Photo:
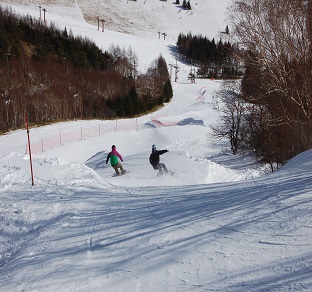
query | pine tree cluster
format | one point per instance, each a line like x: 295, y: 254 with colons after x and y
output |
x: 214, y: 59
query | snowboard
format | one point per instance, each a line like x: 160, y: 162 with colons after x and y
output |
x: 115, y: 174
x: 165, y: 173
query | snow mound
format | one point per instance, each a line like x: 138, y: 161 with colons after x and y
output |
x: 191, y: 121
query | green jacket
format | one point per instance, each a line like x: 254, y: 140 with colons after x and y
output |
x: 113, y: 157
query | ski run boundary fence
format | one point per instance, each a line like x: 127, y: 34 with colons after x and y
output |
x: 81, y: 133
x: 65, y: 137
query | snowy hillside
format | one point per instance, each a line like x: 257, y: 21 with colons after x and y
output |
x: 143, y: 17
x: 221, y: 223
x: 147, y: 44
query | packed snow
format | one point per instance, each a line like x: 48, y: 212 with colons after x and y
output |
x: 220, y: 223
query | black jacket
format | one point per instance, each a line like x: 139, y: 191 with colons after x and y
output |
x: 154, y: 157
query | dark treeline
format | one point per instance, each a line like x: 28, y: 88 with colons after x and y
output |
x: 51, y: 75
x: 42, y: 41
x: 149, y: 90
x: 213, y: 59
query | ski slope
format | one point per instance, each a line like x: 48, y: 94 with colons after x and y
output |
x: 139, y: 17
x: 221, y: 223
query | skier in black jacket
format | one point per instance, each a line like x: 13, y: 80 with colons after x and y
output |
x: 154, y: 160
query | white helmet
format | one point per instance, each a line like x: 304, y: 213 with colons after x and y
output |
x: 153, y: 147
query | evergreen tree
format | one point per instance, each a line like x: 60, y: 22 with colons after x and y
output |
x: 168, y: 91
x: 65, y: 34
x: 227, y: 31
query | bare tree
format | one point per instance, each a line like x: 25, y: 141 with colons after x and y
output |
x: 133, y: 63
x: 277, y: 38
x: 231, y: 118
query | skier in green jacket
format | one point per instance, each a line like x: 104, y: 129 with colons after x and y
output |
x: 113, y: 157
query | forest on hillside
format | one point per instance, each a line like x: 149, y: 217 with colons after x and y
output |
x: 50, y: 75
